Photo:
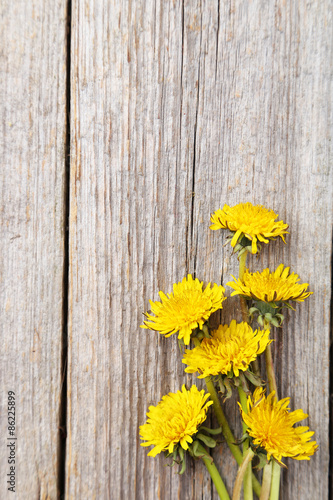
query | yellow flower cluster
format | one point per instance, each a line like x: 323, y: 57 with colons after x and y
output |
x: 185, y: 309
x: 228, y: 351
x: 255, y: 222
x: 266, y: 286
x: 231, y: 348
x: 271, y: 425
x: 175, y: 420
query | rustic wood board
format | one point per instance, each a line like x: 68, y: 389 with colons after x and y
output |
x: 32, y: 146
x: 176, y: 109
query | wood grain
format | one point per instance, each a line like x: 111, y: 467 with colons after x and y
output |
x: 176, y: 109
x: 32, y: 148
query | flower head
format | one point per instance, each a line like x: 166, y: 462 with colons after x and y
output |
x: 270, y: 291
x: 175, y: 420
x: 249, y: 224
x: 278, y: 286
x: 231, y: 348
x: 271, y: 426
x: 186, y: 308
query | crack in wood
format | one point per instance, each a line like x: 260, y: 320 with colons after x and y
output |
x: 62, y: 434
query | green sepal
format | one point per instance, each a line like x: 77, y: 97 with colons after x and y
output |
x: 244, y: 383
x: 243, y: 250
x: 237, y: 248
x: 205, y: 331
x: 253, y: 311
x: 197, y: 334
x: 244, y: 241
x: 195, y: 453
x: 178, y: 451
x: 174, y: 455
x: 228, y: 387
x: 221, y: 385
x: 210, y: 442
x: 262, y: 461
x: 182, y: 456
x: 266, y: 307
x: 214, y: 432
x: 244, y: 437
x: 254, y: 379
x: 293, y: 309
x: 193, y: 450
x: 236, y: 381
x: 244, y: 244
x: 268, y: 312
x: 275, y: 322
x: 268, y: 317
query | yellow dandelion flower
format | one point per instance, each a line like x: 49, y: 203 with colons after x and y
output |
x: 175, y: 420
x: 185, y: 309
x: 271, y: 425
x: 255, y: 222
x: 278, y: 286
x: 232, y: 347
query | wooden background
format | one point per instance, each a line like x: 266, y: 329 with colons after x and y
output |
x: 128, y: 123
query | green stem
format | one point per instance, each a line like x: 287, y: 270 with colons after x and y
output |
x: 243, y: 402
x: 247, y: 482
x: 276, y: 469
x: 226, y: 431
x: 275, y: 485
x: 266, y: 482
x: 228, y: 435
x: 270, y: 371
x: 255, y: 367
x: 240, y: 475
x: 244, y: 309
x: 242, y: 265
x: 214, y: 474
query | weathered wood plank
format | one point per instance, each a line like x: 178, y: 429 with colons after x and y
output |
x: 270, y: 144
x: 32, y: 145
x: 178, y: 108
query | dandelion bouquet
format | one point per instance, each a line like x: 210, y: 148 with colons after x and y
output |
x: 227, y: 359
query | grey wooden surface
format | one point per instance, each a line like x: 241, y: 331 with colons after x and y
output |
x: 175, y: 109
x: 32, y: 149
